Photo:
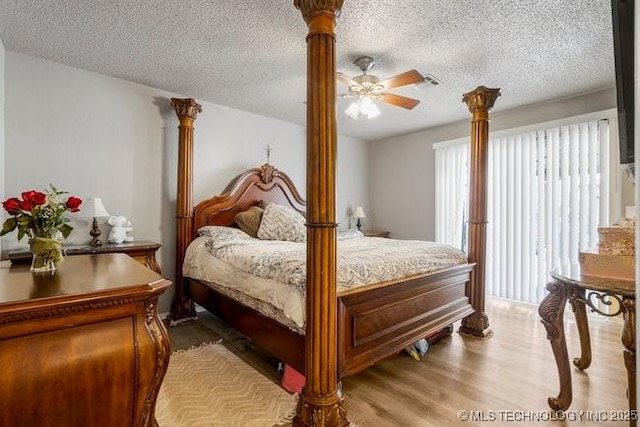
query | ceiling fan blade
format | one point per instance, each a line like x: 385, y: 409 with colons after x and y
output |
x: 403, y: 79
x: 346, y: 80
x: 400, y: 101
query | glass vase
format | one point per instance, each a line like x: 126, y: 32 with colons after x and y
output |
x: 46, y: 253
x: 42, y: 263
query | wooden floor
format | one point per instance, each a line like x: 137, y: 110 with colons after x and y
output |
x: 503, y: 380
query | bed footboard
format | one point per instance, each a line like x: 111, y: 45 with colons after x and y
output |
x: 372, y: 324
x: 375, y: 324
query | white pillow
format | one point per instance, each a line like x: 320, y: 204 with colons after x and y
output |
x: 222, y: 233
x: 282, y: 223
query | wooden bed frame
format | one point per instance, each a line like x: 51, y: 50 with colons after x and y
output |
x: 372, y: 324
x: 347, y: 333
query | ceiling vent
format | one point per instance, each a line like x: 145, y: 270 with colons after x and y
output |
x: 428, y: 78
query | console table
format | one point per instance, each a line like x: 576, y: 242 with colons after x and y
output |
x: 581, y: 291
x: 143, y: 252
x: 81, y: 347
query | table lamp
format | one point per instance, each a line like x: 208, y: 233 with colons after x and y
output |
x: 93, y: 208
x: 359, y: 213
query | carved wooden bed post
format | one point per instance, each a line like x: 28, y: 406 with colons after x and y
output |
x: 320, y: 403
x: 479, y: 101
x: 187, y: 110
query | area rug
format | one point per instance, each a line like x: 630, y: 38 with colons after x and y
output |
x: 210, y: 386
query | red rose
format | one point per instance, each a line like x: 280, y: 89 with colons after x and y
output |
x: 28, y: 195
x: 26, y: 205
x: 38, y: 198
x: 12, y: 205
x: 73, y: 204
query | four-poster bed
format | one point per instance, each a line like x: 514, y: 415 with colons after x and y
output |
x: 372, y: 323
x: 348, y: 332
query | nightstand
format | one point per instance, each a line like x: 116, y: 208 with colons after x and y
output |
x: 143, y: 252
x: 376, y: 233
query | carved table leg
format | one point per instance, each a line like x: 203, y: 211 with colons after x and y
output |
x: 629, y: 352
x: 551, y: 311
x: 580, y: 313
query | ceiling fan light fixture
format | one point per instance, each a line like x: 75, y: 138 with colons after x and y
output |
x: 373, y: 111
x: 363, y: 106
x: 354, y: 110
x: 366, y: 89
x: 369, y: 108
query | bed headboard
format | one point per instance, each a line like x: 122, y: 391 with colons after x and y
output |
x: 265, y: 183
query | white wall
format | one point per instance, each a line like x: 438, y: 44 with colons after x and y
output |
x: 403, y: 185
x: 97, y: 136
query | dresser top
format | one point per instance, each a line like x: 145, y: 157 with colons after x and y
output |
x: 81, y: 276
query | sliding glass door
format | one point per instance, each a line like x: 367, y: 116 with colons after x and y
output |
x: 548, y: 192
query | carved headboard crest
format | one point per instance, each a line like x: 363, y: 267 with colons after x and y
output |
x: 266, y: 173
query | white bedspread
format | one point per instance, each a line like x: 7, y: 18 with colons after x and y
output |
x: 361, y: 260
x: 275, y: 271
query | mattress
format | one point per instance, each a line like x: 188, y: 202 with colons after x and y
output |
x: 274, y: 272
x: 199, y: 264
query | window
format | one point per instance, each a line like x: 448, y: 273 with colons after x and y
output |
x: 547, y: 194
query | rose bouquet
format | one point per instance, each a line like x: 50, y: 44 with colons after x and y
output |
x: 40, y: 217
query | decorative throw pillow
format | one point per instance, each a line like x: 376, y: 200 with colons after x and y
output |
x: 282, y: 223
x: 249, y: 220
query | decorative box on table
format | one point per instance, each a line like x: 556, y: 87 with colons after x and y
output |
x: 617, y: 240
x: 605, y: 265
x: 615, y: 257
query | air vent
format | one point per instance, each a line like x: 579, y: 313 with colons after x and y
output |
x: 428, y: 78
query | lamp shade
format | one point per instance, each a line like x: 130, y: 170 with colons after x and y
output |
x: 364, y: 105
x: 93, y: 208
x: 359, y: 213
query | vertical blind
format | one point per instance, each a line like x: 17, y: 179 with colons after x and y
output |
x: 452, y: 193
x: 547, y: 194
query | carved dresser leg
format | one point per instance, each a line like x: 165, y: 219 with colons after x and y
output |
x: 576, y: 299
x: 551, y: 311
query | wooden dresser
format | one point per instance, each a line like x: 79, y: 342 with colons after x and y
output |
x: 83, y: 347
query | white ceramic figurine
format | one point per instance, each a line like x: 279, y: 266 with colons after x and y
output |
x: 120, y: 226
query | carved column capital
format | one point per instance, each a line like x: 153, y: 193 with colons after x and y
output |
x: 311, y: 9
x: 187, y: 110
x: 480, y: 101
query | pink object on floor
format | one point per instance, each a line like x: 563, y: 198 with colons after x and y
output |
x: 292, y: 380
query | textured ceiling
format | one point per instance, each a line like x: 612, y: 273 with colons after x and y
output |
x: 251, y: 55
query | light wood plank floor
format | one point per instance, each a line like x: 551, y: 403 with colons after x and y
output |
x: 503, y: 380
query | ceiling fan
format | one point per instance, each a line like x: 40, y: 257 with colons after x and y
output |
x: 366, y: 88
